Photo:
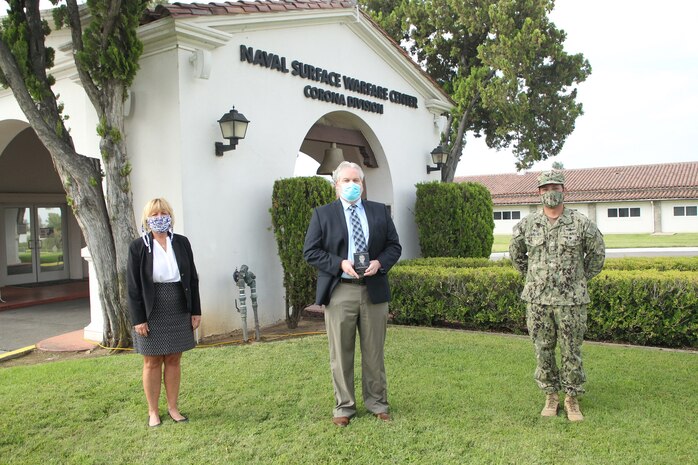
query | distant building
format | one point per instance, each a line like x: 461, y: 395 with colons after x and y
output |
x: 661, y: 198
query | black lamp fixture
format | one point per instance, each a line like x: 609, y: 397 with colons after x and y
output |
x: 233, y: 127
x: 439, y: 157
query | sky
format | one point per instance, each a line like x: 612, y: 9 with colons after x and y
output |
x: 641, y: 99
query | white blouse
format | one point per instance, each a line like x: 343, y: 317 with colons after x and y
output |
x: 165, y: 269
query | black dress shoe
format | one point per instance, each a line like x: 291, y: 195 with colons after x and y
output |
x: 183, y: 420
x: 155, y: 425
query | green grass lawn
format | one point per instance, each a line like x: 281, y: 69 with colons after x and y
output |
x: 621, y: 241
x: 456, y: 397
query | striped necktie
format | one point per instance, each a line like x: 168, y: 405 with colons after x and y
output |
x: 358, y: 233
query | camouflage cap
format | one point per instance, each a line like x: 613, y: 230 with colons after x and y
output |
x: 551, y: 177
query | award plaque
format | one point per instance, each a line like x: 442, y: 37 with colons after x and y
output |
x: 361, y: 261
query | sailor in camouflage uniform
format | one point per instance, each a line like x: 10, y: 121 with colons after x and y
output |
x: 558, y: 251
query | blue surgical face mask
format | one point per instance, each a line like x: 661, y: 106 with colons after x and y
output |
x: 160, y: 224
x: 351, y: 192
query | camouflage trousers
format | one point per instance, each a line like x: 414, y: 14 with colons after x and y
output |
x: 548, y: 324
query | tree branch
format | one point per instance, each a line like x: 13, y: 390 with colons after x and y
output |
x: 110, y: 20
x: 78, y: 46
x: 43, y: 128
x: 448, y: 172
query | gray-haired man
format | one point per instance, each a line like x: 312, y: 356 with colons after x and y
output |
x: 341, y: 236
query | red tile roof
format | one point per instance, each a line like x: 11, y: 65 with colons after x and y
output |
x: 618, y: 183
x: 180, y: 9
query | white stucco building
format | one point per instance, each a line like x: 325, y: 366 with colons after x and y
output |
x: 661, y: 198
x: 305, y: 73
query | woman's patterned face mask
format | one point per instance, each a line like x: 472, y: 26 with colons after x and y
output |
x: 160, y: 224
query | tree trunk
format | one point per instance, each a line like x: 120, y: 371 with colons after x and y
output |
x: 81, y: 181
x: 119, y: 198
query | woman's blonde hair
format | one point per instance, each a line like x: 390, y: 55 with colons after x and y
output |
x: 154, y: 206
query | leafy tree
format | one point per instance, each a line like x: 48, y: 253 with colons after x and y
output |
x: 558, y: 165
x: 55, y: 221
x: 502, y: 62
x: 292, y: 204
x: 106, y: 52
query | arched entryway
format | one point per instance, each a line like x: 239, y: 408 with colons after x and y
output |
x: 40, y: 240
x: 358, y: 143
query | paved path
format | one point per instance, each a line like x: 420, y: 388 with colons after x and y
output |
x: 616, y: 253
x: 26, y: 326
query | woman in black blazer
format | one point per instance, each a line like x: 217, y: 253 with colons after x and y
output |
x: 163, y: 301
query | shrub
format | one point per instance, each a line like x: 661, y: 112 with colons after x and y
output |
x: 292, y: 203
x: 652, y: 263
x: 456, y: 262
x: 646, y: 307
x: 473, y: 298
x: 454, y: 220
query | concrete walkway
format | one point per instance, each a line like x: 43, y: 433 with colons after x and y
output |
x: 648, y: 252
x: 28, y: 326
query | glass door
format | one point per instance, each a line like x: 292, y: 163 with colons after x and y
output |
x: 18, y: 257
x: 34, y: 247
x: 49, y: 245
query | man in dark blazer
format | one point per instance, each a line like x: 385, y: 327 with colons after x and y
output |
x: 353, y: 300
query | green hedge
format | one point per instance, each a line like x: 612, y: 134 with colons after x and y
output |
x: 456, y: 262
x: 654, y: 263
x: 454, y: 219
x: 621, y: 264
x: 645, y: 307
x: 292, y: 204
x: 475, y: 298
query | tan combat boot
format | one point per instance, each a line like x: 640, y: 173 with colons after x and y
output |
x: 572, y: 409
x: 552, y: 401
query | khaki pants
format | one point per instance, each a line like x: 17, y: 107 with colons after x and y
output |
x: 350, y: 309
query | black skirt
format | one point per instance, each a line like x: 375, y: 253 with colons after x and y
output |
x: 169, y: 323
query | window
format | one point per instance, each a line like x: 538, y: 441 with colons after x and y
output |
x: 626, y: 212
x: 688, y: 210
x: 507, y: 215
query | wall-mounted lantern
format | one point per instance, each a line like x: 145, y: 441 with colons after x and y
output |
x: 439, y: 157
x: 233, y: 127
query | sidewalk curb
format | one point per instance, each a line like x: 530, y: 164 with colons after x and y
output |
x: 16, y: 353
